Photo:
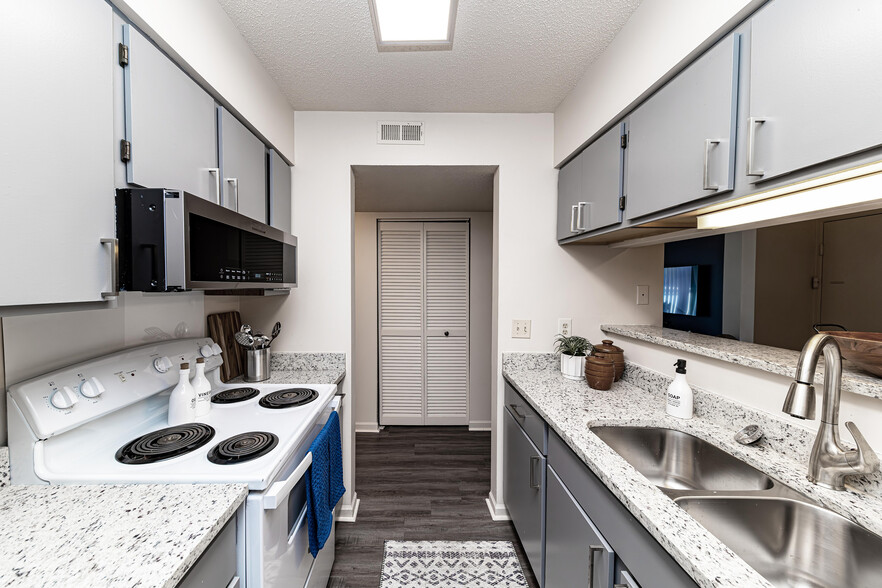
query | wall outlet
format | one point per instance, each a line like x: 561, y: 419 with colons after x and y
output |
x: 642, y: 294
x: 565, y: 326
x: 520, y: 329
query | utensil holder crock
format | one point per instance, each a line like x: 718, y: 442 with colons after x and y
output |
x: 257, y: 365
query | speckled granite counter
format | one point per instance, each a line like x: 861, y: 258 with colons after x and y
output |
x: 129, y: 535
x: 304, y: 368
x: 571, y: 407
x: 762, y: 357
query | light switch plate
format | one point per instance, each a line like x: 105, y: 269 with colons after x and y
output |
x: 565, y: 326
x: 520, y: 329
x: 642, y: 294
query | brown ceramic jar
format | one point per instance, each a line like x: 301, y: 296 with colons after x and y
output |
x: 599, y: 372
x: 607, y: 350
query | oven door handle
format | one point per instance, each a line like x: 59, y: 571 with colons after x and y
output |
x: 280, y: 490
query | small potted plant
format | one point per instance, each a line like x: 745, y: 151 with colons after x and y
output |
x: 572, y: 351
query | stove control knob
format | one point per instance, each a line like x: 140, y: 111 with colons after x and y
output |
x: 206, y: 351
x: 162, y: 364
x: 92, y: 388
x: 64, y: 398
x: 216, y: 348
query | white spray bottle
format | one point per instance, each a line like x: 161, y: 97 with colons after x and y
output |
x: 680, y: 394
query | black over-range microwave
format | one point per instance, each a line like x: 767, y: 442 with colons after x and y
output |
x: 170, y: 241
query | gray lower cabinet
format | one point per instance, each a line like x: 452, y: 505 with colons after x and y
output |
x: 279, y: 191
x: 681, y: 141
x: 815, y: 84
x: 524, y: 491
x: 576, y: 555
x: 243, y: 167
x: 217, y: 566
x: 591, y: 185
x: 169, y: 121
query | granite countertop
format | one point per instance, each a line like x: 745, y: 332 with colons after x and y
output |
x: 304, y: 368
x: 145, y: 535
x: 762, y: 357
x: 570, y: 408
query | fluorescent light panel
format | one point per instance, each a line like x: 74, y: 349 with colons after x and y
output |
x: 848, y: 187
x: 407, y: 25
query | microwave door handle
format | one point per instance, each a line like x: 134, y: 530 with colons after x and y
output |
x: 280, y: 490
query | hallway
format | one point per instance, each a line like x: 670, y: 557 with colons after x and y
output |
x: 417, y: 483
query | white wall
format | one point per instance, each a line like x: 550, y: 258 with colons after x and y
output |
x: 660, y: 35
x: 537, y: 279
x: 365, y: 353
x: 201, y: 37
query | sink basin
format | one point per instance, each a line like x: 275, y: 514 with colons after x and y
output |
x: 792, y: 543
x: 676, y: 461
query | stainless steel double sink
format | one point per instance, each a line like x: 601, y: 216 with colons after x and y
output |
x: 783, y: 535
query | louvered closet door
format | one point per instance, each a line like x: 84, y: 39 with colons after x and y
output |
x: 423, y: 316
x: 400, y: 277
x: 447, y: 323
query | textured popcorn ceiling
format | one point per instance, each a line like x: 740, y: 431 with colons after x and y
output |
x: 508, y: 55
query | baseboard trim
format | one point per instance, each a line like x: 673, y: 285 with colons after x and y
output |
x: 349, y: 512
x: 498, y: 512
x: 369, y: 427
x: 479, y: 426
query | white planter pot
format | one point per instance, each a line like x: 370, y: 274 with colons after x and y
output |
x: 572, y: 366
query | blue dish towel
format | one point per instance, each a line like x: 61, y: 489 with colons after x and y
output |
x: 324, y: 483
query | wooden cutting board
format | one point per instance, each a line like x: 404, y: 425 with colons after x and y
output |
x: 222, y: 328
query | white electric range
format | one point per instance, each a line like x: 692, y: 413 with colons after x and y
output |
x: 105, y: 421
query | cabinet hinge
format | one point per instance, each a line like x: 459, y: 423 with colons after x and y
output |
x: 622, y: 200
x: 125, y: 150
x: 625, y: 141
x: 123, y: 54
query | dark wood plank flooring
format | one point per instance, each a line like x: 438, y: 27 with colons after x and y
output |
x: 417, y: 484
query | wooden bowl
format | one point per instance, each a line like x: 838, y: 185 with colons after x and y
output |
x: 861, y: 348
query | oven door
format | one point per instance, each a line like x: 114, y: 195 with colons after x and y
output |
x: 277, y: 538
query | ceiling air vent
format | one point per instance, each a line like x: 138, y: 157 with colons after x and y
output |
x: 400, y: 133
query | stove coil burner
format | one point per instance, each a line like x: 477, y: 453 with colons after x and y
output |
x: 234, y: 395
x: 244, y: 447
x: 165, y: 444
x: 289, y: 398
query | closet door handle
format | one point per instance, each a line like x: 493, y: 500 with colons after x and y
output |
x: 114, y: 268
x: 534, y: 459
x: 591, y: 550
x: 706, y: 185
x: 752, y: 123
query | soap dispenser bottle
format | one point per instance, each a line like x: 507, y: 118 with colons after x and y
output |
x: 680, y: 394
x: 182, y: 400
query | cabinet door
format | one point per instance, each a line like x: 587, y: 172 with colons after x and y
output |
x: 170, y: 122
x: 815, y: 83
x: 56, y: 151
x: 575, y: 552
x: 280, y: 191
x: 243, y: 165
x: 602, y: 181
x: 681, y: 143
x: 569, y: 188
x: 523, y: 484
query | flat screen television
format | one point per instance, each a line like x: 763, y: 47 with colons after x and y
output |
x: 685, y: 290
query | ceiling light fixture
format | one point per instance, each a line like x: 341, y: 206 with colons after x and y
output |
x: 410, y: 25
x: 860, y: 185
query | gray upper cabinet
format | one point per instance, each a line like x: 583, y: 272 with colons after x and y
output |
x: 590, y: 186
x: 681, y: 143
x: 243, y: 167
x: 57, y: 152
x: 170, y: 121
x: 815, y: 84
x: 280, y: 191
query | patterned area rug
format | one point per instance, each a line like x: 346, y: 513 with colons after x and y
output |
x: 434, y: 564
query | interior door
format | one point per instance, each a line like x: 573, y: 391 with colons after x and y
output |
x: 423, y: 299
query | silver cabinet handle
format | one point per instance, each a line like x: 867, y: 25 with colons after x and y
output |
x: 215, y: 171
x: 573, y: 228
x: 234, y: 182
x: 752, y: 123
x: 579, y: 207
x: 706, y: 185
x: 234, y: 583
x: 591, y: 550
x: 534, y: 459
x: 517, y: 413
x: 114, y: 268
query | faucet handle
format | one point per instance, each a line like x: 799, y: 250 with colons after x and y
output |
x: 867, y: 460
